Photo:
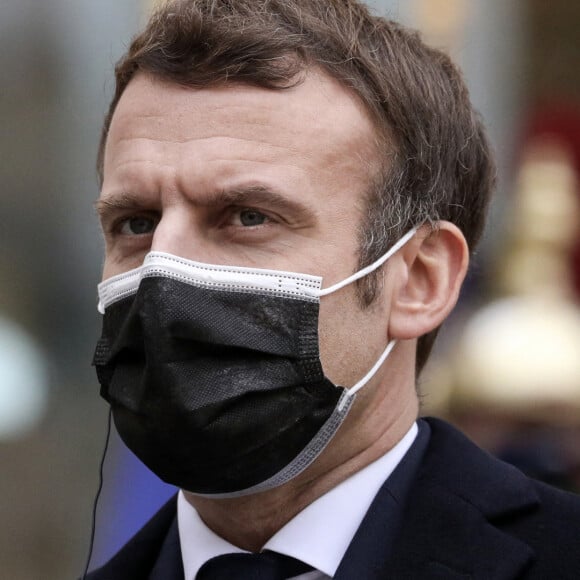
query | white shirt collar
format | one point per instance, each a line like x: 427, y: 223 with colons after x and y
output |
x: 319, y: 535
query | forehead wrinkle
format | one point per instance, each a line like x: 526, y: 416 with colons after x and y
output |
x: 288, y: 119
x: 325, y: 140
x: 206, y: 147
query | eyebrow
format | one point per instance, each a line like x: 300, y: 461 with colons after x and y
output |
x: 107, y: 207
x: 244, y: 195
x: 118, y: 201
x: 259, y: 194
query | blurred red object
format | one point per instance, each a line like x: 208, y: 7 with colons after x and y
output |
x: 560, y: 120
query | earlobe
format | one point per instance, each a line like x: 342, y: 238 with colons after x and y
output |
x: 432, y: 268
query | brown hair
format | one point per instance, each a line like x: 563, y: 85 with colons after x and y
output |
x: 436, y: 159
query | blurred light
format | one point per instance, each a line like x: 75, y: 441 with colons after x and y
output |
x: 522, y: 353
x: 23, y: 381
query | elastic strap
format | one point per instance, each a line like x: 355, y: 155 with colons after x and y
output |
x: 355, y: 388
x: 371, y: 268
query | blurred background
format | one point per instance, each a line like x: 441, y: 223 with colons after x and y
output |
x: 507, y: 365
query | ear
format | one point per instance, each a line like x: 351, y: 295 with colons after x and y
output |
x: 427, y: 279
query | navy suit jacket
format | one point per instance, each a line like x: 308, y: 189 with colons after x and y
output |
x: 449, y: 511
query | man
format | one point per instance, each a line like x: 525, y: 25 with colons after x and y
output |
x: 257, y: 153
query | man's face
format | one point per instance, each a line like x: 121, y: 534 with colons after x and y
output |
x: 245, y: 176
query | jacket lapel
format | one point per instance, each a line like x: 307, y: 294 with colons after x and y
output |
x: 444, y: 536
x: 459, y: 510
x: 444, y: 514
x: 169, y: 564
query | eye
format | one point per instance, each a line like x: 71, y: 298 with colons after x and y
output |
x: 138, y: 226
x: 251, y: 217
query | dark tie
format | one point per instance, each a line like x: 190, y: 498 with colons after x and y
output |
x: 263, y: 566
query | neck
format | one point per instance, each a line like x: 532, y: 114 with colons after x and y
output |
x: 249, y: 522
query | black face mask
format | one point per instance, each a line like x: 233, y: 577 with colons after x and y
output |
x: 213, y: 372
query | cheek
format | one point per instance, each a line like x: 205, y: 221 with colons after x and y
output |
x: 110, y: 269
x: 351, y: 339
x: 114, y: 264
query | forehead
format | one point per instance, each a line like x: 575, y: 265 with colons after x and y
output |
x: 318, y: 121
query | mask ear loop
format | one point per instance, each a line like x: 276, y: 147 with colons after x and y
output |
x: 370, y: 268
x: 357, y: 276
x: 358, y: 386
x: 97, y: 496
